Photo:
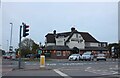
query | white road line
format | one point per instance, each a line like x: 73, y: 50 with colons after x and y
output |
x: 62, y: 74
x: 88, y: 67
x: 101, y: 72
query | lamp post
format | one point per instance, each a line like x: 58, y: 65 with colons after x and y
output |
x: 7, y: 45
x: 11, y: 48
x: 0, y: 46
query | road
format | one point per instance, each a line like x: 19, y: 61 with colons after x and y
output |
x: 70, y: 69
x: 8, y: 65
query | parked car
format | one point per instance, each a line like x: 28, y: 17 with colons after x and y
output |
x: 87, y: 56
x: 37, y: 55
x: 101, y: 57
x: 74, y: 57
x: 4, y: 56
x: 29, y: 55
x: 13, y: 56
x: 7, y: 56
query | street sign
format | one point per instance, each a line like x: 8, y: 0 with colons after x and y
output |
x: 39, y: 51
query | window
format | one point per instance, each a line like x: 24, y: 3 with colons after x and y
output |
x: 64, y: 53
x: 58, y: 53
x: 81, y: 40
x: 104, y: 45
x: 59, y: 41
x: 76, y: 35
x: 61, y: 36
x: 74, y: 39
x: 99, y: 45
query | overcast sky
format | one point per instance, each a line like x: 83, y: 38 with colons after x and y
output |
x: 100, y: 19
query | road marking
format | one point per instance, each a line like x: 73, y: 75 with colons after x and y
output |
x: 52, y: 64
x: 114, y: 72
x: 101, y: 72
x: 88, y: 67
x: 62, y: 74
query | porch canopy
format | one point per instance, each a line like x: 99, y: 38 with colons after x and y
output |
x: 94, y: 49
x: 58, y: 48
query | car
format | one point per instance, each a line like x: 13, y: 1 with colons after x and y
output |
x: 101, y: 57
x: 87, y: 56
x: 29, y: 55
x: 4, y: 56
x: 13, y: 56
x: 37, y: 55
x: 7, y: 56
x: 74, y: 57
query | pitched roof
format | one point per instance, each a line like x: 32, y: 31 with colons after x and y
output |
x: 86, y: 36
x: 65, y: 34
x: 50, y: 38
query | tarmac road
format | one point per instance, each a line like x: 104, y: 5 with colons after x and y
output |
x: 69, y: 69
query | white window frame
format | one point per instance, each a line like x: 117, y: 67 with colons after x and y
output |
x: 64, y: 53
x: 58, y: 53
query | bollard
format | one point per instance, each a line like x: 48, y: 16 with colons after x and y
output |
x: 42, y: 61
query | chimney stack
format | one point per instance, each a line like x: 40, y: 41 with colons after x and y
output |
x: 72, y: 29
x: 54, y: 32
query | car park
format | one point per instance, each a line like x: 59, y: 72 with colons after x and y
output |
x: 101, y: 57
x: 74, y: 57
x: 87, y: 56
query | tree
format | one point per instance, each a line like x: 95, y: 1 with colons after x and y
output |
x: 34, y: 48
x: 28, y: 46
x: 116, y: 49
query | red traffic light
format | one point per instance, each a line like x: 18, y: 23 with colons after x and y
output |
x: 25, y: 30
x: 27, y: 26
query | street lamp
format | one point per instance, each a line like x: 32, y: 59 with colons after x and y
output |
x: 0, y: 46
x: 11, y: 48
x: 7, y: 45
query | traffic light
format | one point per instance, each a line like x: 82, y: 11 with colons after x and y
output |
x: 25, y: 30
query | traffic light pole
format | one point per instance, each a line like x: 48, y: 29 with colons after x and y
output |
x: 25, y: 30
x: 19, y: 62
